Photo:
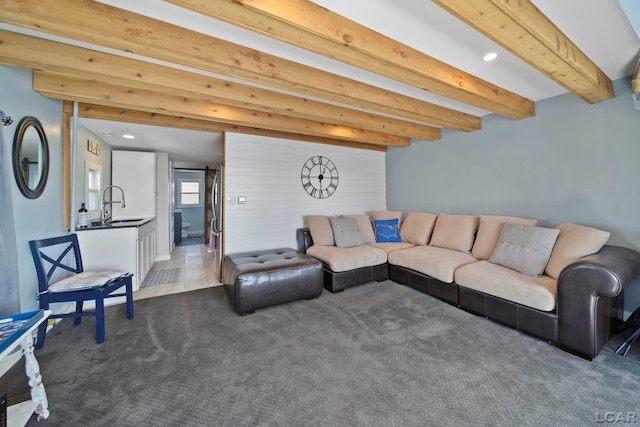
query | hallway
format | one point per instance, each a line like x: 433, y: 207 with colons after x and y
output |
x: 198, y: 271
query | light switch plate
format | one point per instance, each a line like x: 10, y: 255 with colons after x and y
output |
x: 242, y: 200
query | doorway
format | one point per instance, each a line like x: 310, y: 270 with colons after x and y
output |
x: 189, y: 207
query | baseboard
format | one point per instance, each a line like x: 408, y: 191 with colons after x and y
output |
x: 163, y: 258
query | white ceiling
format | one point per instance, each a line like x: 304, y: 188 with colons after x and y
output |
x: 599, y: 28
x: 186, y: 148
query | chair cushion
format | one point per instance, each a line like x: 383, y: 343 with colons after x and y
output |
x: 86, y: 280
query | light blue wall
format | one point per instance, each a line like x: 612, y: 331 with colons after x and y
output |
x: 195, y: 215
x: 572, y: 162
x: 42, y: 217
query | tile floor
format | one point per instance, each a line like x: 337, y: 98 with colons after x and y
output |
x: 199, y: 271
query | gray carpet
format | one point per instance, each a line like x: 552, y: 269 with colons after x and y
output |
x: 379, y: 354
x: 162, y: 277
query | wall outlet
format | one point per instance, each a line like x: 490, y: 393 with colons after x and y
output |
x: 231, y: 199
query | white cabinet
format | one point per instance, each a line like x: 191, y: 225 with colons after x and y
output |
x: 132, y: 249
x: 135, y: 173
x: 146, y: 255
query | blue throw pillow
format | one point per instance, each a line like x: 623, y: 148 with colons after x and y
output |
x: 387, y: 230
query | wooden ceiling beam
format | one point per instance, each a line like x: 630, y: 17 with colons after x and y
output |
x: 89, y: 90
x: 312, y: 27
x: 103, y: 112
x: 103, y: 25
x: 521, y: 28
x: 62, y: 58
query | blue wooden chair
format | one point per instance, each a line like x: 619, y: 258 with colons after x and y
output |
x: 63, y: 253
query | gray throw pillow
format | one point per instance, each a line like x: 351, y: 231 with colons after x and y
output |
x: 524, y: 248
x: 346, y: 232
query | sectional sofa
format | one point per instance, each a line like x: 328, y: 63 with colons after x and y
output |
x: 562, y: 284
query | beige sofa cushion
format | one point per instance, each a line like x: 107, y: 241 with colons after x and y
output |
x: 391, y: 246
x: 502, y: 282
x: 417, y: 227
x: 345, y: 259
x: 436, y: 262
x: 366, y: 229
x: 454, y: 232
x: 320, y: 229
x: 489, y: 231
x: 387, y: 215
x: 574, y: 242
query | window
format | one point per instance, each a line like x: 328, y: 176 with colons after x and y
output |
x: 190, y: 193
x: 93, y: 186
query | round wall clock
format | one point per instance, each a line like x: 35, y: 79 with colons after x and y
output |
x: 319, y: 177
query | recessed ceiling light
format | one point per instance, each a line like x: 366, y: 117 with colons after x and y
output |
x: 128, y: 136
x: 489, y: 57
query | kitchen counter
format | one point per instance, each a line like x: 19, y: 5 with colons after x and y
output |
x: 118, y: 223
x: 128, y: 245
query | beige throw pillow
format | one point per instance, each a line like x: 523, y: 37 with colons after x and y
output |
x: 364, y: 223
x: 320, y: 229
x: 454, y: 232
x: 524, y: 248
x: 489, y: 231
x: 574, y: 242
x: 417, y: 227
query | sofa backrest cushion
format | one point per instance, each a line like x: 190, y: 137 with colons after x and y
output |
x: 387, y: 215
x: 346, y: 232
x: 454, y: 232
x: 524, y: 248
x: 489, y: 231
x: 574, y: 242
x: 366, y: 229
x: 417, y: 227
x: 320, y: 229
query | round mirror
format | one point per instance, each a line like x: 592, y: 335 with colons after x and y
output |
x: 30, y: 157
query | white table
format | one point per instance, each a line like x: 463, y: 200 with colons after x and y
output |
x: 19, y: 414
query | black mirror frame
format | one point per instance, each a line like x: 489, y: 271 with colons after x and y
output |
x: 24, y: 124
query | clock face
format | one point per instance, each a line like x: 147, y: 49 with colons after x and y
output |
x: 319, y: 177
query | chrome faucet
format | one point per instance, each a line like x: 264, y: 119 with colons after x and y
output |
x: 110, y: 202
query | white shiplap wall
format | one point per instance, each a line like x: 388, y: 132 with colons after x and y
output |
x: 267, y: 172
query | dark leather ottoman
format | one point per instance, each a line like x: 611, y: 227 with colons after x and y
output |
x: 269, y: 277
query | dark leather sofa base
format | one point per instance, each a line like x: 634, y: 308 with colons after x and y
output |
x: 339, y: 281
x: 260, y: 279
x: 445, y: 291
x: 534, y: 322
